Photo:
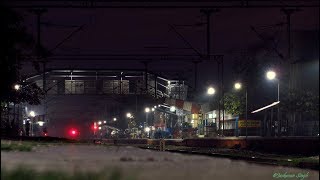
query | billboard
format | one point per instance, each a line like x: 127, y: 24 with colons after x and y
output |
x: 251, y: 123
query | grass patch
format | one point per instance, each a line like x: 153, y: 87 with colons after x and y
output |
x: 29, y: 174
x: 16, y: 146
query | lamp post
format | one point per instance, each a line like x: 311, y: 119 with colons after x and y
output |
x: 129, y: 116
x: 238, y: 86
x: 147, y: 110
x: 211, y: 91
x: 271, y: 75
x: 32, y: 114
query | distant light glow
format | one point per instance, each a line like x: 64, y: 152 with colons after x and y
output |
x: 114, y: 119
x: 155, y: 107
x: 104, y: 122
x: 147, y: 129
x: 211, y: 91
x: 237, y: 85
x: 32, y: 114
x: 271, y: 75
x: 17, y: 87
x: 172, y: 108
x: 73, y: 132
x: 152, y: 109
x: 99, y: 128
x: 99, y: 122
x: 147, y: 110
x: 129, y: 115
x: 40, y: 123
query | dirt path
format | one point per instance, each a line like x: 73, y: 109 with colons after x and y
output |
x: 144, y: 164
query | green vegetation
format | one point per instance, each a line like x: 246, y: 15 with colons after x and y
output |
x: 234, y: 103
x: 16, y: 146
x: 9, y: 145
x: 29, y: 174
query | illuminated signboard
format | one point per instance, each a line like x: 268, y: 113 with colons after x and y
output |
x: 251, y: 123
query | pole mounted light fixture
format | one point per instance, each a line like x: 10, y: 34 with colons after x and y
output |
x: 32, y: 114
x: 211, y: 91
x: 172, y: 108
x: 237, y: 85
x: 17, y: 87
x: 271, y: 75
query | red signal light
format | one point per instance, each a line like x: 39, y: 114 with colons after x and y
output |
x: 73, y: 132
x: 45, y: 134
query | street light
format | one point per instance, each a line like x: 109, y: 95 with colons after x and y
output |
x: 17, y: 87
x: 32, y: 114
x: 152, y: 109
x: 114, y: 119
x: 211, y: 91
x: 238, y: 86
x: 40, y: 123
x: 129, y: 115
x: 172, y: 108
x: 147, y: 110
x: 271, y: 75
x: 147, y: 130
x: 99, y: 122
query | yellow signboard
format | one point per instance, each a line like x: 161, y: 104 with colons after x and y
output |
x: 251, y: 123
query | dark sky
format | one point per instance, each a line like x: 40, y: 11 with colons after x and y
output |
x: 129, y: 31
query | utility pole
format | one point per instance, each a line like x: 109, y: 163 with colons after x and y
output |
x: 292, y: 68
x: 222, y: 94
x: 207, y: 13
x: 196, y: 62
x: 288, y: 13
x: 38, y: 13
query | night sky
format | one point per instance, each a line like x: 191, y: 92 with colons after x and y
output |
x: 134, y: 31
x: 130, y: 31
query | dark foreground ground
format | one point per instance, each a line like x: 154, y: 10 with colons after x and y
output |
x: 135, y: 163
